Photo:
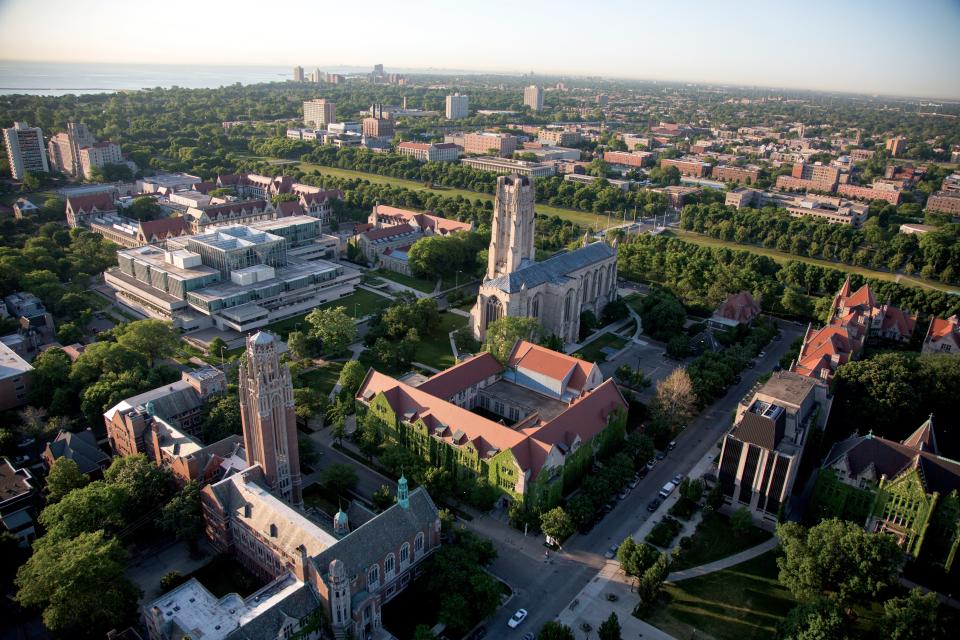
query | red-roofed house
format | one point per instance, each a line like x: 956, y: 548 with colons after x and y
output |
x: 860, y: 312
x: 738, y: 308
x: 81, y: 209
x: 532, y: 428
x: 152, y: 231
x: 943, y: 336
x: 392, y: 229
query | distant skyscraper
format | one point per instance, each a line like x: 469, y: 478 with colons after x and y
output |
x: 25, y: 150
x: 458, y: 106
x: 298, y: 74
x: 317, y: 76
x: 64, y: 148
x: 269, y: 420
x: 533, y: 97
x: 319, y: 113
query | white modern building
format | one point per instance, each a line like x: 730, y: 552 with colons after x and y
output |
x: 25, y: 150
x: 430, y: 152
x: 506, y: 166
x: 236, y: 277
x: 458, y: 106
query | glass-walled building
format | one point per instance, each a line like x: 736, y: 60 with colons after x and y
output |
x: 239, y: 277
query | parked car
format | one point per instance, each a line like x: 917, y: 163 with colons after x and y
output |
x: 517, y: 618
x: 644, y: 470
x: 528, y: 636
x: 762, y: 354
x: 737, y: 379
x: 776, y: 337
x: 653, y: 504
x: 633, y: 483
x: 751, y: 364
x: 650, y: 465
x: 479, y: 633
x: 667, y: 489
x: 623, y: 494
x: 660, y: 455
x: 611, y: 553
x: 672, y: 445
x: 677, y: 479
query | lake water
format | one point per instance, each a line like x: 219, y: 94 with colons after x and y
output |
x: 55, y: 79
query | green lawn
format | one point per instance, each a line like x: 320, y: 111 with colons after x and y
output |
x: 579, y: 217
x: 360, y: 302
x: 592, y: 352
x: 224, y: 575
x: 322, y: 379
x: 426, y: 286
x: 435, y: 350
x: 744, y: 602
x: 780, y: 256
x: 713, y: 540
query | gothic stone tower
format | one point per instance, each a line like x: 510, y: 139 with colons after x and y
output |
x: 269, y: 421
x: 511, y: 240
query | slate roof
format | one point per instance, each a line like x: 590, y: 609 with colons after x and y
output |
x: 169, y: 401
x: 553, y: 269
x: 892, y: 459
x: 81, y: 448
x: 739, y: 307
x: 373, y: 540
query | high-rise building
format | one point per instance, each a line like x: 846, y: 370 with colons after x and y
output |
x: 458, y: 106
x: 896, y: 146
x: 319, y: 113
x: 98, y: 155
x: 269, y: 420
x: 298, y: 74
x: 533, y: 97
x: 64, y: 148
x: 25, y: 150
x: 318, y: 75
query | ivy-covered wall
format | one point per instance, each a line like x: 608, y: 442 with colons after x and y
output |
x: 835, y: 499
x: 905, y: 504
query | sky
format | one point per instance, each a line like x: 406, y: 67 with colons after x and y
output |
x: 863, y: 46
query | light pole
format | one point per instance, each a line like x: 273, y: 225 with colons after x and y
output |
x: 456, y: 279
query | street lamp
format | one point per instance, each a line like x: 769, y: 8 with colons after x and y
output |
x: 456, y: 279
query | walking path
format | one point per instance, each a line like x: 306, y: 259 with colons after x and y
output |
x: 355, y: 349
x: 724, y: 563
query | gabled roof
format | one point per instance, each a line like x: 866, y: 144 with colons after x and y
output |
x: 553, y: 269
x: 586, y: 417
x: 739, y: 307
x: 289, y: 208
x: 892, y: 459
x: 948, y: 330
x: 448, y: 383
x: 164, y: 228
x: 550, y: 363
x: 388, y: 232
x: 101, y: 201
x: 894, y: 318
x: 923, y: 439
x: 821, y: 347
x: 81, y: 448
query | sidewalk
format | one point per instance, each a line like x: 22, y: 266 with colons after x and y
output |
x: 724, y: 563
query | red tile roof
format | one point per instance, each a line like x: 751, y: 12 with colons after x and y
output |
x: 100, y: 201
x: 164, y: 228
x: 739, y: 307
x: 447, y: 384
x: 289, y: 208
x: 388, y: 232
x: 549, y: 363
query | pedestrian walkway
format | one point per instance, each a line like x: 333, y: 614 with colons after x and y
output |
x: 724, y: 563
x: 355, y: 350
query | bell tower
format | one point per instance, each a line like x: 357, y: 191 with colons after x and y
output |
x: 269, y: 420
x: 511, y: 238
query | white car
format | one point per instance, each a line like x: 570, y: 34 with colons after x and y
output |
x: 517, y: 618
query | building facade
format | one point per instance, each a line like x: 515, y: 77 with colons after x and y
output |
x: 905, y: 489
x: 943, y: 336
x: 457, y: 106
x: 688, y: 166
x: 532, y: 428
x: 237, y: 277
x: 489, y: 143
x: 630, y: 158
x: 97, y: 155
x: 533, y: 97
x: 507, y: 166
x: 430, y: 152
x: 556, y: 291
x: 810, y: 177
x: 319, y: 113
x: 15, y: 377
x: 269, y: 420
x: 761, y: 454
x: 25, y: 150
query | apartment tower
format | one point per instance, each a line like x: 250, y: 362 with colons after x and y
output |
x: 269, y: 420
x: 533, y: 97
x: 25, y: 150
x: 458, y: 106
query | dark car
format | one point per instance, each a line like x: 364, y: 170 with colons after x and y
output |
x: 737, y: 379
x: 643, y: 472
x: 660, y: 455
x: 653, y: 504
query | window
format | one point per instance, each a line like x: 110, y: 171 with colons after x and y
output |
x: 418, y: 543
x: 373, y: 577
x: 389, y: 566
x: 405, y: 553
x: 273, y: 531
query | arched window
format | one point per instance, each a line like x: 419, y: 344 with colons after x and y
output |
x: 418, y: 544
x: 405, y: 554
x: 596, y: 284
x: 568, y: 306
x: 494, y: 310
x: 612, y: 278
x: 373, y: 577
x: 273, y: 531
x: 586, y: 287
x: 389, y: 565
x: 535, y: 308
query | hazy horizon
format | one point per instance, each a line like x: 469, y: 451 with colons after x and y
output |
x: 856, y: 47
